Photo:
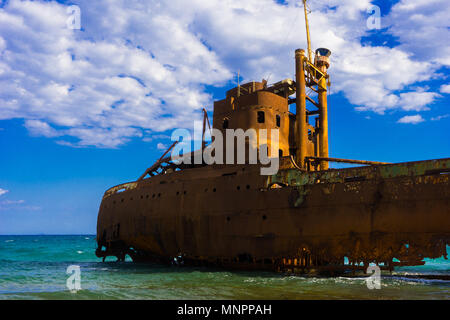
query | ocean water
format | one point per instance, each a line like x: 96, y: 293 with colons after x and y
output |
x: 34, y: 267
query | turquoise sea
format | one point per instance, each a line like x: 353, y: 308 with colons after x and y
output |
x: 34, y: 267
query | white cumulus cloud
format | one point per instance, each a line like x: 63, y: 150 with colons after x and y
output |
x: 139, y: 68
x: 445, y: 88
x: 161, y: 146
x: 411, y: 119
x: 422, y: 26
x: 3, y: 191
x: 40, y: 128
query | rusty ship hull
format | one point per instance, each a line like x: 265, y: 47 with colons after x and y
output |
x: 231, y: 216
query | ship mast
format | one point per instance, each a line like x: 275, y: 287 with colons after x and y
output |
x: 311, y: 141
x: 308, y: 39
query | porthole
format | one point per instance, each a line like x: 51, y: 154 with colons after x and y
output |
x: 214, y: 190
x: 228, y: 218
x: 264, y: 217
x: 238, y: 187
x: 248, y: 187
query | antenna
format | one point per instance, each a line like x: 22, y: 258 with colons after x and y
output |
x: 307, y: 32
x: 239, y: 86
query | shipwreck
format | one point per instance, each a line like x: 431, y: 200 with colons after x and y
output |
x: 305, y: 217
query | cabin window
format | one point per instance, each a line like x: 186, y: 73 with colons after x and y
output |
x: 225, y: 124
x: 261, y: 117
x: 278, y: 118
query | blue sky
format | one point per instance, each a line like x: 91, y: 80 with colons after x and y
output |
x: 83, y: 110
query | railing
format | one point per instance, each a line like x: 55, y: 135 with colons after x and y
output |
x: 120, y: 188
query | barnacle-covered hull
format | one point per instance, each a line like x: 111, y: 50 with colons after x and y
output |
x: 230, y: 215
